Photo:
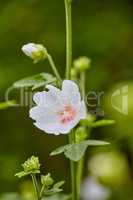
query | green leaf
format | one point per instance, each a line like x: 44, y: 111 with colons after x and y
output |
x: 59, y: 150
x: 52, y: 191
x: 103, y: 122
x: 35, y: 81
x: 23, y: 173
x: 7, y: 104
x: 58, y: 197
x: 76, y: 151
x: 59, y: 184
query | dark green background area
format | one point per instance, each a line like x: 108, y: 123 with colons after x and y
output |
x: 103, y: 31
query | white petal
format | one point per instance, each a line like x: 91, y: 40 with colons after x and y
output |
x: 47, y: 99
x: 83, y: 111
x: 70, y: 92
x: 48, y: 128
x: 43, y: 115
x: 40, y: 98
x: 28, y: 49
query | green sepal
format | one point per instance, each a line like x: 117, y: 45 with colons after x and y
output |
x: 59, y: 184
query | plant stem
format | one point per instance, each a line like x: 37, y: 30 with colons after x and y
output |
x: 73, y: 169
x: 36, y: 188
x: 68, y: 8
x: 79, y: 175
x: 50, y: 59
x: 81, y: 162
x: 82, y: 84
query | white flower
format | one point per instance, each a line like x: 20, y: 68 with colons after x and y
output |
x: 36, y: 52
x: 91, y: 189
x: 58, y: 111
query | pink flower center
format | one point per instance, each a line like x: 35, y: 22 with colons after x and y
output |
x: 67, y: 114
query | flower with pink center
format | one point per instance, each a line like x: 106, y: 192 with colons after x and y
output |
x: 58, y: 111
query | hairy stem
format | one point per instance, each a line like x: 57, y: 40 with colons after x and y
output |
x: 36, y: 188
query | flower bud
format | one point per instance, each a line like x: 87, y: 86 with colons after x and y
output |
x: 81, y: 134
x: 47, y: 180
x: 37, y: 52
x: 82, y: 63
x: 32, y: 164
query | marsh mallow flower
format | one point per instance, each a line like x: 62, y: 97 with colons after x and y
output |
x: 58, y: 111
x: 36, y: 52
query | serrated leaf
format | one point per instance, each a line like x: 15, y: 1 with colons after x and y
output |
x: 103, y: 122
x: 59, y: 184
x: 7, y: 104
x: 76, y: 151
x: 35, y: 81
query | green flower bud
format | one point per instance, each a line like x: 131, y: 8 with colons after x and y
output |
x: 32, y: 164
x: 81, y: 134
x: 47, y: 180
x: 82, y: 63
x: 37, y: 52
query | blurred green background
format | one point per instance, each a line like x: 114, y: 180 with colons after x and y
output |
x: 103, y: 31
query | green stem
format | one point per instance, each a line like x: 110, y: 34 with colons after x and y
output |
x: 79, y: 175
x: 81, y: 162
x: 73, y: 169
x: 50, y: 59
x: 36, y: 188
x: 68, y: 8
x: 42, y: 190
x: 82, y: 84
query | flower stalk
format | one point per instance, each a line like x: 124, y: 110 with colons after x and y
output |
x: 51, y: 62
x: 68, y: 8
x: 36, y: 187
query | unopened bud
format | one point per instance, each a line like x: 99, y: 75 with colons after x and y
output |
x: 47, y: 180
x: 37, y: 52
x: 32, y: 164
x: 82, y: 63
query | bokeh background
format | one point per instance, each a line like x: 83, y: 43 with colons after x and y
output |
x: 103, y: 31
